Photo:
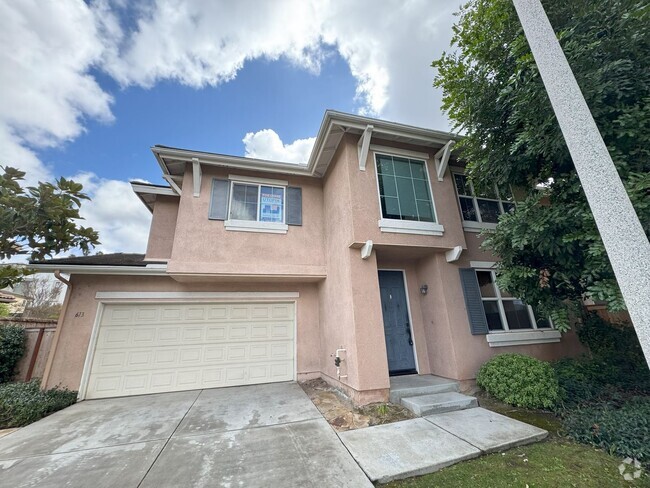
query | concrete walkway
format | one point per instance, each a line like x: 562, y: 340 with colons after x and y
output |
x: 424, y: 445
x: 254, y: 436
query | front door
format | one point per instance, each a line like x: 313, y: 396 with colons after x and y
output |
x: 397, y: 330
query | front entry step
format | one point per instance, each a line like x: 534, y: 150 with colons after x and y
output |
x: 416, y: 385
x: 438, y: 403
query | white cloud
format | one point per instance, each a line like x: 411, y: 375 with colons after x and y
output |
x: 50, y: 49
x: 388, y: 46
x: 266, y: 144
x: 116, y: 213
x: 47, y: 50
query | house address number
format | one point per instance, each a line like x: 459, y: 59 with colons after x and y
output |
x: 79, y: 314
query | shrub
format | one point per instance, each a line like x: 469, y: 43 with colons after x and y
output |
x: 519, y: 380
x: 578, y: 380
x: 616, y: 353
x: 615, y: 366
x: 624, y: 431
x: 12, y: 348
x: 24, y: 403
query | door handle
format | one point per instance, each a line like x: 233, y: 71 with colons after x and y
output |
x: 408, y: 331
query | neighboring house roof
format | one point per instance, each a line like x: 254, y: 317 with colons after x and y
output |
x: 116, y: 259
x: 334, y: 126
x: 6, y: 298
x: 9, y: 293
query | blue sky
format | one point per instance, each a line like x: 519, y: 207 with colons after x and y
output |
x: 215, y: 119
x: 88, y: 87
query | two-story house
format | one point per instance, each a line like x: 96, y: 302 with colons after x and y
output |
x: 363, y: 263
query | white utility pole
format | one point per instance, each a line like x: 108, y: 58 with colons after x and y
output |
x: 625, y: 241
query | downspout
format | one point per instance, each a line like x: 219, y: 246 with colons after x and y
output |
x: 59, y: 326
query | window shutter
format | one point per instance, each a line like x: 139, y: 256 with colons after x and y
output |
x: 219, y: 199
x: 475, y: 312
x: 294, y: 205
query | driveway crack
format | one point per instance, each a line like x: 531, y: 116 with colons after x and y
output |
x: 170, y: 437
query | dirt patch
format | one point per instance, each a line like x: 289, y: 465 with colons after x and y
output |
x: 539, y: 418
x: 339, y: 411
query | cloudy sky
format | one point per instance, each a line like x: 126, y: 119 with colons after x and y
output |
x: 87, y: 88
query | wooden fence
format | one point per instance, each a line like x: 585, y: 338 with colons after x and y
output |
x: 40, y: 333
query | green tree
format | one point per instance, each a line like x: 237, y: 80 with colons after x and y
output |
x: 550, y: 248
x: 39, y: 221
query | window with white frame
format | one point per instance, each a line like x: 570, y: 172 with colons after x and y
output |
x: 404, y: 190
x: 257, y: 202
x: 503, y: 311
x: 482, y: 208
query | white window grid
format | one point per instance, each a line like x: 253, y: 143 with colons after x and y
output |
x: 259, y: 198
x: 499, y: 298
x: 475, y: 199
x: 429, y: 190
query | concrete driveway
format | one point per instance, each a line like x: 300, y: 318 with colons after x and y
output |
x: 264, y: 435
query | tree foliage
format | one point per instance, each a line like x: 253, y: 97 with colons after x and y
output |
x: 44, y: 297
x: 39, y: 221
x: 550, y: 248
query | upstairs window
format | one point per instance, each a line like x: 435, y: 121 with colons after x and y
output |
x: 250, y: 204
x: 481, y: 209
x: 261, y: 203
x: 404, y: 190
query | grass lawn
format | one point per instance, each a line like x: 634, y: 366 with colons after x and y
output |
x: 556, y: 462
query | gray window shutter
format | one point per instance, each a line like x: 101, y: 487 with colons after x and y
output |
x: 475, y: 312
x: 294, y: 205
x: 219, y: 199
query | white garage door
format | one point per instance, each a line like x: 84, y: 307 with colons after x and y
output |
x: 153, y: 348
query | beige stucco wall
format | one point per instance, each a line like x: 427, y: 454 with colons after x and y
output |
x: 339, y: 293
x: 163, y: 227
x: 339, y: 305
x: 69, y: 356
x: 204, y: 246
x: 453, y: 351
x: 367, y: 209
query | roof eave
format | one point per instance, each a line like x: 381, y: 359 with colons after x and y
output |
x: 224, y: 160
x: 321, y: 153
x: 157, y: 270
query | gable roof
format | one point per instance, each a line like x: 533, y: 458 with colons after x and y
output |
x: 335, y: 125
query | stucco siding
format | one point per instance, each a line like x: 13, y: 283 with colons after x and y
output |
x: 204, y: 246
x: 163, y: 228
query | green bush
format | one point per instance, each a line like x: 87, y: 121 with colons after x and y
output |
x: 24, y: 403
x: 616, y: 353
x: 519, y: 380
x: 614, y: 367
x: 12, y: 348
x: 579, y: 380
x: 624, y: 431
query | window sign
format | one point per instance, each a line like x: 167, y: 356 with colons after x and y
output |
x: 271, y: 200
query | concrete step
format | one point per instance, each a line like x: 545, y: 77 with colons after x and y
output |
x: 438, y: 403
x: 415, y: 385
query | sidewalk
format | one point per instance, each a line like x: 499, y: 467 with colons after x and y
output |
x: 424, y: 445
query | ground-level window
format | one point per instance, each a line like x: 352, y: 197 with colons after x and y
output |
x: 261, y: 203
x: 484, y: 207
x: 503, y: 311
x: 404, y: 189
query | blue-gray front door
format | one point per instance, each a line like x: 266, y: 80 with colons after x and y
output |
x: 397, y: 330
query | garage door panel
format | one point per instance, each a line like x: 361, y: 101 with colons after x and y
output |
x: 181, y: 356
x: 191, y: 346
x: 138, y: 383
